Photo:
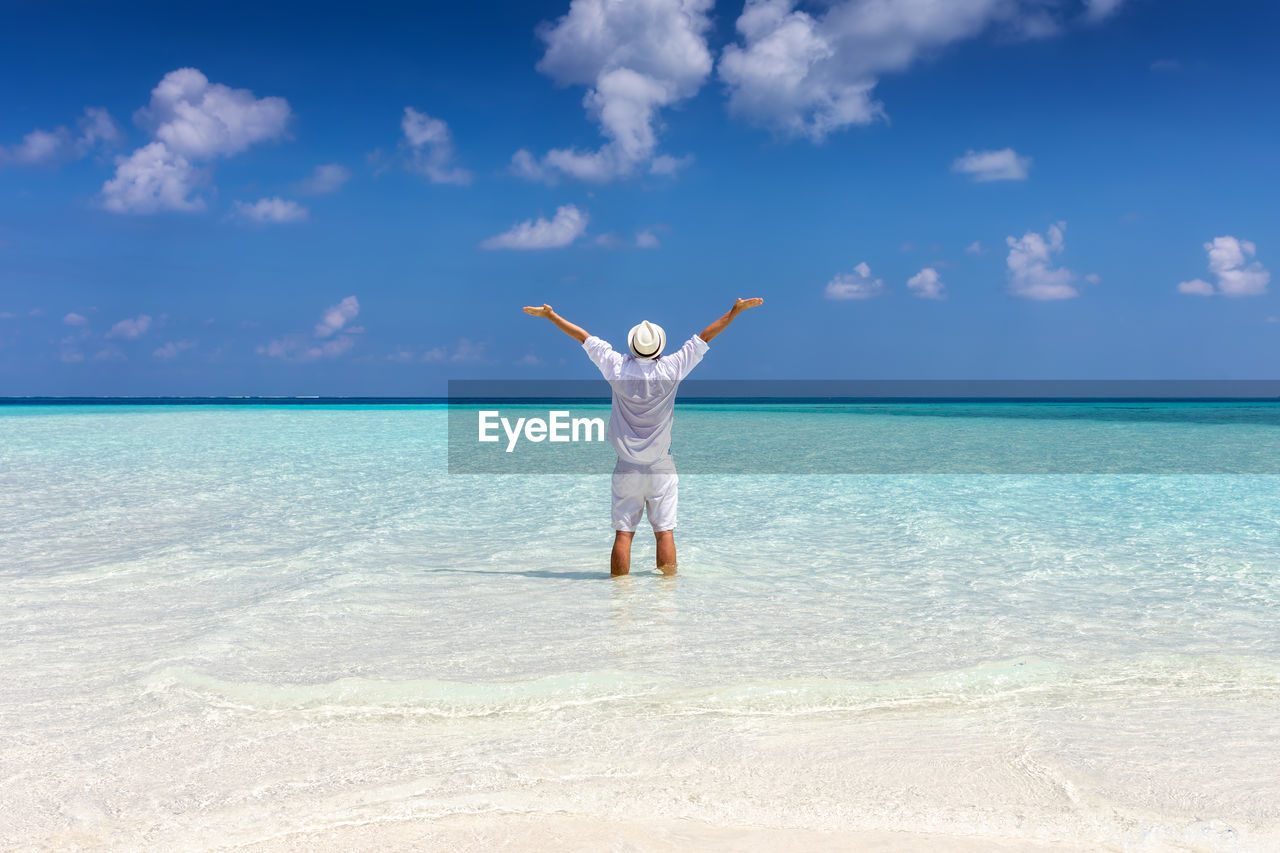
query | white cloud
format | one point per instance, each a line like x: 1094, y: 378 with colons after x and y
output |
x: 810, y: 74
x: 1002, y: 165
x: 332, y: 336
x: 1031, y: 271
x: 38, y: 146
x: 974, y: 248
x: 130, y: 327
x: 172, y: 348
x: 324, y: 180
x: 74, y: 319
x: 1235, y: 274
x: 271, y: 210
x: 430, y: 148
x: 150, y: 179
x: 95, y: 128
x: 647, y: 240
x: 854, y: 285
x: 192, y: 120
x: 338, y: 316
x: 1196, y: 287
x: 567, y: 225
x: 637, y: 58
x: 199, y: 119
x: 927, y: 284
x: 1093, y: 278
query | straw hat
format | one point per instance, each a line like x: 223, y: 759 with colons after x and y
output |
x: 646, y: 340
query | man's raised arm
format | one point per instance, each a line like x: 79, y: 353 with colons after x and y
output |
x: 720, y: 325
x: 578, y: 333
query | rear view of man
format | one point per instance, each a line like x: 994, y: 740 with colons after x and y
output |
x: 644, y: 386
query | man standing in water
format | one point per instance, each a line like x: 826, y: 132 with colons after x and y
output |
x: 644, y: 392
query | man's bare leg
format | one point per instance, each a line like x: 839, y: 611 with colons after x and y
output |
x: 666, y: 551
x: 620, y: 559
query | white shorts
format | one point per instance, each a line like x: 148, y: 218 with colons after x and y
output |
x: 637, y: 488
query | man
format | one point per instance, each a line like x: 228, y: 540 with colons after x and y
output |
x: 644, y: 390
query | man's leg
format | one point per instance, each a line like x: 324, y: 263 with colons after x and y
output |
x: 666, y: 551
x: 620, y: 559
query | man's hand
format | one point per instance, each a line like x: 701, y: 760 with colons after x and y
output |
x: 739, y: 305
x: 578, y: 333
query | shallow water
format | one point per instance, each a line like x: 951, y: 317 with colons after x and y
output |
x: 228, y: 626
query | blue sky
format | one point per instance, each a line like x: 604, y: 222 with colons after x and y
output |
x: 351, y: 200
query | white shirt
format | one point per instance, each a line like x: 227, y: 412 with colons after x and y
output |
x: 644, y: 396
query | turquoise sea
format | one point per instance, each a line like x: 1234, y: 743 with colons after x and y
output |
x: 290, y: 627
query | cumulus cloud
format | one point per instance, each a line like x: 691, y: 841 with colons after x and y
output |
x: 74, y: 319
x: 338, y: 316
x: 192, y: 121
x: 567, y: 225
x: 271, y: 210
x: 974, y: 248
x: 858, y: 284
x: 171, y: 349
x: 647, y: 240
x: 1235, y: 274
x: 927, y: 284
x: 1196, y: 287
x: 636, y: 58
x: 326, y: 179
x: 150, y: 179
x: 810, y: 74
x: 38, y: 146
x: 130, y: 327
x: 429, y: 147
x: 199, y: 119
x: 96, y: 128
x: 1032, y: 274
x: 332, y: 337
x: 1002, y: 165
